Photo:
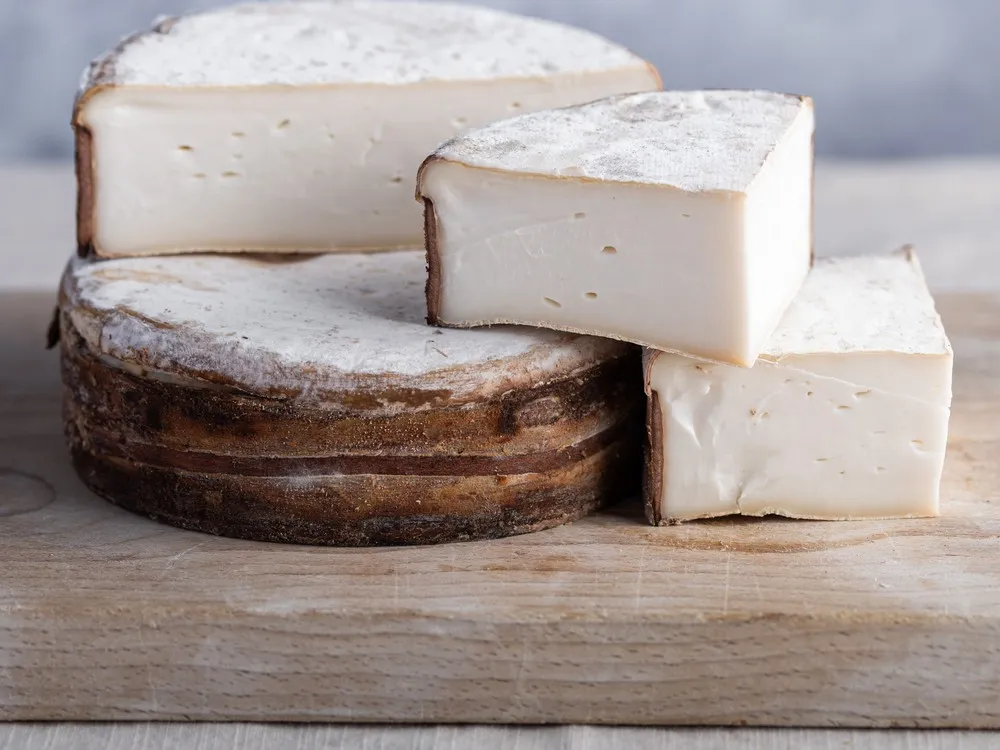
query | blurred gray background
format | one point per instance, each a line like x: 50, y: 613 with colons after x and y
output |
x: 891, y: 78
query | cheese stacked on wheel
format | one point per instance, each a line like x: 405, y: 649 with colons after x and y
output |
x: 677, y: 220
x: 307, y: 401
x: 287, y: 126
x: 284, y: 388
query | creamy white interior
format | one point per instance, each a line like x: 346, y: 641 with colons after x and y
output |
x: 824, y: 427
x: 290, y: 168
x: 773, y: 439
x: 591, y: 256
x: 702, y: 272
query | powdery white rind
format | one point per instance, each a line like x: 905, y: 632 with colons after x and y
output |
x: 862, y: 303
x: 691, y: 140
x: 305, y: 324
x: 340, y: 43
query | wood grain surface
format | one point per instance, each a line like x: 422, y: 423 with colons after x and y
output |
x: 163, y: 736
x: 105, y: 615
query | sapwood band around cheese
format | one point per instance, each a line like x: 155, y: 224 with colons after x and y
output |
x: 225, y: 462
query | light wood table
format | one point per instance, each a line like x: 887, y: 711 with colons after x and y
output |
x: 949, y: 210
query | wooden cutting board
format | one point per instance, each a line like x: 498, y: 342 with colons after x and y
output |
x: 105, y: 615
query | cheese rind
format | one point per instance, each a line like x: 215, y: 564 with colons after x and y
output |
x: 304, y: 400
x: 677, y: 220
x: 844, y: 416
x: 259, y: 323
x: 278, y: 126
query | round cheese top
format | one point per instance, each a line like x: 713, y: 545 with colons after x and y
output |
x: 692, y: 140
x: 302, y: 325
x: 352, y: 42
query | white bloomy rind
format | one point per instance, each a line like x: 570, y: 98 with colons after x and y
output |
x: 308, y: 325
x: 845, y: 416
x: 300, y: 125
x: 678, y: 220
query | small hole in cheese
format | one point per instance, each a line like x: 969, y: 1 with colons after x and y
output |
x: 609, y: 250
x: 580, y: 215
x: 199, y: 175
x: 821, y: 460
x: 552, y: 302
x: 590, y: 295
x: 229, y: 173
x: 843, y: 408
x: 284, y: 124
x: 809, y: 393
x: 396, y: 180
x: 862, y: 394
x: 460, y: 122
x: 185, y: 148
x: 879, y: 469
x: 686, y: 216
x: 238, y: 134
x: 515, y: 105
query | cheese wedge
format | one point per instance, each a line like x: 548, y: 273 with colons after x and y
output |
x: 300, y: 125
x: 678, y: 220
x: 844, y: 416
x: 303, y: 399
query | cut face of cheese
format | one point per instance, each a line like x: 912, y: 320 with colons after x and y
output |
x: 844, y: 416
x: 300, y: 125
x: 678, y: 220
x: 304, y: 399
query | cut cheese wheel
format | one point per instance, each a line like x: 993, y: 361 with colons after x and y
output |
x: 844, y: 416
x: 287, y: 126
x: 304, y: 400
x: 678, y: 220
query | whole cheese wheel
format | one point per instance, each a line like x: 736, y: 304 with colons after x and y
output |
x: 303, y: 399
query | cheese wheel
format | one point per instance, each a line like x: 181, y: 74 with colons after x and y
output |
x: 308, y: 120
x: 302, y: 399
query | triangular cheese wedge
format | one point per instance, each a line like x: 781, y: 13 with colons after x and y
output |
x: 678, y: 220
